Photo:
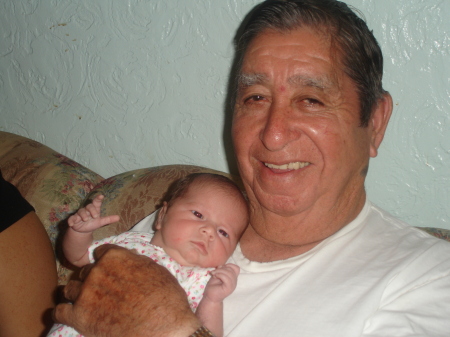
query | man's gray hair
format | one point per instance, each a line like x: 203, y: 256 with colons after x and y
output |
x: 352, y: 43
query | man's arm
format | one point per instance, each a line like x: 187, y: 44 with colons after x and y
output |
x: 125, y: 294
x: 417, y: 309
x: 28, y: 278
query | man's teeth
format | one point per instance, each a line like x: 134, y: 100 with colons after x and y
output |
x: 291, y: 166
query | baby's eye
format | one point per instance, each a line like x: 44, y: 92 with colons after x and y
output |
x: 197, y: 214
x: 223, y: 233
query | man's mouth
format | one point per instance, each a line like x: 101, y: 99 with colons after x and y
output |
x: 290, y: 166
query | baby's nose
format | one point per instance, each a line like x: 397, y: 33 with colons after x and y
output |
x: 209, y: 230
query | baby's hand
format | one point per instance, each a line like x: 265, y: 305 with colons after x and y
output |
x: 222, y: 283
x: 88, y: 219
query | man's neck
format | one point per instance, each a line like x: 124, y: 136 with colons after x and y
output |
x: 256, y: 248
x: 278, y: 238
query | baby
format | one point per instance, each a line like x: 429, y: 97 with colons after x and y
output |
x: 196, y: 231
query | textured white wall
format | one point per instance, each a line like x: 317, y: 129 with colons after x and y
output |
x: 119, y: 85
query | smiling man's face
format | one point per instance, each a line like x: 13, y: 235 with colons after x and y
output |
x: 296, y: 130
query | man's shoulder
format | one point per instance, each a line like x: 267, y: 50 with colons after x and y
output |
x: 392, y: 229
x: 385, y: 217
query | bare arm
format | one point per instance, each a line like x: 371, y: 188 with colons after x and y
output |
x: 210, y: 309
x: 149, y: 302
x: 79, y: 236
x: 28, y: 279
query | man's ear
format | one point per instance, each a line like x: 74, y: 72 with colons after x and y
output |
x: 161, y: 213
x: 379, y: 122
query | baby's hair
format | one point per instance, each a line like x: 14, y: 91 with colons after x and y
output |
x: 180, y: 187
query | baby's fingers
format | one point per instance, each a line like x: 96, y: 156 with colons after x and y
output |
x: 229, y: 268
x: 84, y: 214
x: 224, y: 275
x: 108, y: 220
x: 74, y: 219
x: 97, y: 202
x: 93, y: 210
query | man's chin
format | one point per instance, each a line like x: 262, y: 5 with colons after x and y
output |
x: 282, y: 205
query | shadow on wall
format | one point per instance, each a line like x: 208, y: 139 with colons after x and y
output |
x: 231, y: 97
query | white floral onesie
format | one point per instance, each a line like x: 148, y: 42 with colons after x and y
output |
x: 192, y: 279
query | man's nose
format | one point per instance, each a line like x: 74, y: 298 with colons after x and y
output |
x: 279, y: 129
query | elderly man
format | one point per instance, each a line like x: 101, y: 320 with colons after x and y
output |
x: 318, y: 259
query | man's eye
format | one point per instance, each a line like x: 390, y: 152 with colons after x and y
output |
x: 197, y: 214
x: 223, y: 233
x: 312, y: 101
x: 255, y: 98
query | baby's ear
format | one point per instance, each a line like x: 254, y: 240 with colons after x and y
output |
x: 161, y: 214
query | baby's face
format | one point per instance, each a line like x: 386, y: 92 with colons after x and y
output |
x: 202, y: 227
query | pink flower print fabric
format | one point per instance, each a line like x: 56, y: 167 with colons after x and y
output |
x: 60, y: 330
x: 192, y: 279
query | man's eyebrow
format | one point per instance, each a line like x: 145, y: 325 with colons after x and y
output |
x: 247, y: 80
x: 317, y: 82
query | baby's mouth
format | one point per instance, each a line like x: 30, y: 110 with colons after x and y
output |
x: 200, y: 246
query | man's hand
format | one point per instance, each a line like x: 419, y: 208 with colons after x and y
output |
x: 88, y: 219
x: 125, y: 294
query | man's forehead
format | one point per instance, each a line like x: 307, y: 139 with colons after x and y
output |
x: 301, y: 57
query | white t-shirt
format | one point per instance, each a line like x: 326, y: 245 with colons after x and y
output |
x: 375, y: 277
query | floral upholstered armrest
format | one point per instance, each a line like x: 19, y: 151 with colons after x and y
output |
x: 134, y: 195
x: 52, y: 183
x: 440, y: 233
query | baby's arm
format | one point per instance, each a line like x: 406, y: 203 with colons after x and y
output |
x: 210, y: 309
x: 79, y: 237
